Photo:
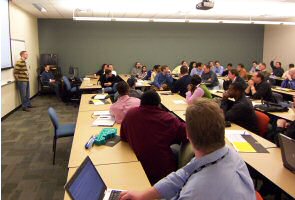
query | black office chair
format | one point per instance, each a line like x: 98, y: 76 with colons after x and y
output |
x: 72, y: 93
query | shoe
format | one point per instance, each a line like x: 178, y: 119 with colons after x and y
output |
x: 31, y: 106
x: 26, y: 109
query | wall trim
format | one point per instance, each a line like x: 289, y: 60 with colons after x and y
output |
x: 15, y: 109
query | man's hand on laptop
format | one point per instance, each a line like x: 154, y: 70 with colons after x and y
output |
x: 151, y: 193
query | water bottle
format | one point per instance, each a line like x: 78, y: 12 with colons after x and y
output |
x: 102, y: 90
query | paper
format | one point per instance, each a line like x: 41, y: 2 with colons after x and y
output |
x: 101, y: 121
x: 238, y: 141
x: 102, y: 113
x: 100, y: 96
x: 97, y: 102
x: 179, y: 102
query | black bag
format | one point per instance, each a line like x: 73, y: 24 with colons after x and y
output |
x: 271, y: 107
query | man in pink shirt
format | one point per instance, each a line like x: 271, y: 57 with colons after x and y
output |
x: 124, y: 102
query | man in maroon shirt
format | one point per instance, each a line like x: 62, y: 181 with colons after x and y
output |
x: 151, y: 131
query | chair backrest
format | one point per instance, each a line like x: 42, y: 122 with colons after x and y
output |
x: 258, y: 196
x: 185, y: 155
x: 263, y: 121
x: 53, y: 117
x: 67, y: 83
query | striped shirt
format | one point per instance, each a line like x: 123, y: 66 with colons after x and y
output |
x: 21, y: 71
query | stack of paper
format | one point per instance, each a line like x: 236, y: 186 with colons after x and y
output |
x: 100, y: 96
x: 102, y: 113
x: 104, y: 118
x: 97, y: 102
x: 238, y: 141
x: 178, y: 102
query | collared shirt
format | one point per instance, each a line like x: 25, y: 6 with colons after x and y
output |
x: 150, y: 131
x: 228, y: 179
x: 161, y: 79
x: 213, y: 79
x: 196, y: 71
x: 218, y: 70
x: 122, y: 105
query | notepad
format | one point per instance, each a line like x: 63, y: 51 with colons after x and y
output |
x: 102, y: 113
x: 100, y: 96
x: 179, y: 102
x: 238, y: 141
x: 104, y: 121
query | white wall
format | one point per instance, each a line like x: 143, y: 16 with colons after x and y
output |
x: 23, y: 26
x: 279, y: 40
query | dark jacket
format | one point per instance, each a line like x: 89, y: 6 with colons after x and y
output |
x: 103, y: 79
x: 100, y: 72
x: 237, y: 80
x: 45, y: 76
x: 263, y: 91
x: 240, y: 112
x: 276, y: 71
x: 214, y: 80
x: 181, y: 85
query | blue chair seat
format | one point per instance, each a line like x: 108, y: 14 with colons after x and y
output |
x: 73, y: 89
x: 65, y: 130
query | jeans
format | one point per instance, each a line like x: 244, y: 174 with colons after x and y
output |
x: 24, y: 90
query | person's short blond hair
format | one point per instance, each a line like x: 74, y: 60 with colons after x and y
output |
x: 22, y: 52
x: 292, y: 71
x: 205, y: 125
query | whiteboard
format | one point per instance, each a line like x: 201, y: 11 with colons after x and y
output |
x: 16, y: 47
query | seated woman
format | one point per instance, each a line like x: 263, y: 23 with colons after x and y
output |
x: 143, y: 73
x: 101, y: 71
x: 289, y: 82
x: 194, y: 90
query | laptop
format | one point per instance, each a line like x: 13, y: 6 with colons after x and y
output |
x: 288, y: 151
x: 87, y: 184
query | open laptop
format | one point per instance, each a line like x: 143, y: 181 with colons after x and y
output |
x: 87, y: 184
x: 288, y: 151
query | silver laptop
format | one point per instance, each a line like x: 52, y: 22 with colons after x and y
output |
x: 87, y: 184
x: 288, y: 151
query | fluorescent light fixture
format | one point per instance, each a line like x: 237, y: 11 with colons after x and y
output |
x: 39, y: 7
x: 123, y: 19
x: 92, y: 18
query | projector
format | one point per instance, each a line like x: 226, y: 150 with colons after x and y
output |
x: 205, y: 5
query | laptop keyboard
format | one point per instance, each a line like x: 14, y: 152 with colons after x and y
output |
x: 114, y: 195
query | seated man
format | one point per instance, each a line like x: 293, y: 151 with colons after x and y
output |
x: 216, y: 172
x: 176, y: 70
x: 111, y: 67
x: 289, y: 82
x: 48, y: 79
x: 209, y: 78
x: 180, y: 86
x: 234, y: 77
x: 151, y: 131
x: 291, y: 65
x: 132, y: 91
x: 163, y: 80
x: 262, y: 70
x: 218, y: 69
x: 108, y: 81
x: 241, y: 110
x: 258, y: 88
x: 254, y: 67
x: 136, y: 70
x: 277, y: 69
x: 124, y: 102
x: 228, y: 68
x: 242, y: 71
x: 197, y: 70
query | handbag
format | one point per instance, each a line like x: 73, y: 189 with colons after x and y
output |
x: 271, y: 107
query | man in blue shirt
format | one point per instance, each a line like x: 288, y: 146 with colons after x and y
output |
x: 218, y: 69
x: 47, y: 78
x: 216, y: 172
x: 163, y: 80
x: 198, y: 70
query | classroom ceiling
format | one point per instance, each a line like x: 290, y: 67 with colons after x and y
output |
x: 259, y: 10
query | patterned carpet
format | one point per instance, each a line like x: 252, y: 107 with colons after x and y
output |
x: 27, y: 170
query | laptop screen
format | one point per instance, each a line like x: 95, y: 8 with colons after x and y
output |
x: 86, y: 183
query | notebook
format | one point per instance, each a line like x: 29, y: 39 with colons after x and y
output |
x: 87, y: 184
x: 104, y: 121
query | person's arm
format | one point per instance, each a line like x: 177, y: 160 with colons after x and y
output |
x: 123, y: 130
x: 156, y: 82
x: 272, y: 65
x: 169, y: 79
x: 233, y: 113
x: 151, y: 193
x: 250, y: 86
x: 198, y: 93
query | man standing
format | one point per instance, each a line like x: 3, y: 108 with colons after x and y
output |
x: 21, y: 75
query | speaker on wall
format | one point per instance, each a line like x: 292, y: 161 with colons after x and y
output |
x: 48, y: 59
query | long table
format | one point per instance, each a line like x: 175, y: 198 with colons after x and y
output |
x: 124, y: 176
x: 270, y: 164
x: 121, y: 152
x: 139, y: 83
x: 92, y: 84
x: 290, y: 115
